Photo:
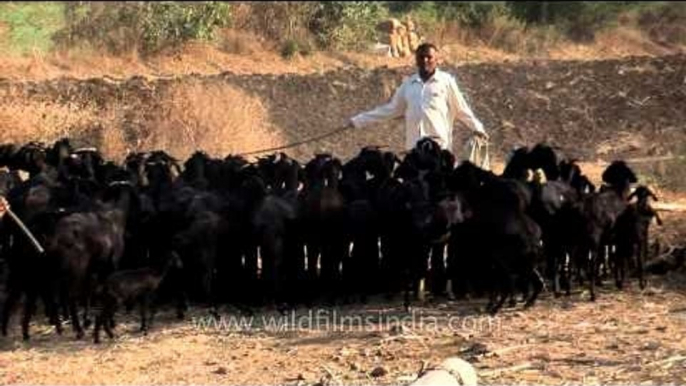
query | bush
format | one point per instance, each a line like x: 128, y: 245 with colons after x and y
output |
x: 665, y: 23
x: 289, y: 49
x: 346, y: 24
x: 279, y: 21
x: 145, y: 26
x: 29, y: 26
x: 472, y: 14
x: 578, y: 20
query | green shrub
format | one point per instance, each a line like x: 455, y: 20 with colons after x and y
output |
x: 289, y: 49
x: 145, y: 26
x: 472, y: 14
x: 346, y: 24
x: 30, y: 26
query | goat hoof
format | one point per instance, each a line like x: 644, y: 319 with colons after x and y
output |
x: 79, y: 335
x: 26, y: 337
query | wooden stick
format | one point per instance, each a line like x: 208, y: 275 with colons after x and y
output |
x: 25, y: 230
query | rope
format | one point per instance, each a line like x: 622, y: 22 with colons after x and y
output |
x: 478, y: 152
x: 294, y: 144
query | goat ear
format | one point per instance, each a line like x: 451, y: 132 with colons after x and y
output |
x: 632, y: 195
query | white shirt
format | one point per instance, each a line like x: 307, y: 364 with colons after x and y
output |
x: 429, y: 108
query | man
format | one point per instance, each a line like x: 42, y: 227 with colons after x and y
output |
x: 430, y: 101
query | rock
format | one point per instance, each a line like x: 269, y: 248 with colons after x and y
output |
x: 378, y: 372
x: 651, y: 346
x: 453, y: 371
x: 475, y: 349
x: 220, y: 370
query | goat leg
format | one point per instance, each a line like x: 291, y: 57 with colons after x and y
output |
x: 73, y: 311
x: 406, y: 293
x: 618, y: 266
x: 506, y: 289
x: 98, y: 325
x: 640, y: 258
x: 51, y: 308
x: 29, y: 309
x: 592, y: 272
x: 10, y: 302
x: 181, y: 304
x: 538, y: 283
x: 144, y: 314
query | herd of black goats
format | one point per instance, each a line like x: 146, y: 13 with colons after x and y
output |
x: 277, y: 233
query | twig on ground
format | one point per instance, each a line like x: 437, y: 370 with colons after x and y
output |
x: 519, y: 367
x: 669, y: 360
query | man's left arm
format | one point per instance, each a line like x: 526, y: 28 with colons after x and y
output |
x: 461, y: 110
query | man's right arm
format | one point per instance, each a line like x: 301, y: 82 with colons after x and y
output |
x: 393, y: 109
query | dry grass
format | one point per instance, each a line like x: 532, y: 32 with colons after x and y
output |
x: 618, y: 42
x: 185, y: 117
x: 216, y: 118
x: 21, y: 121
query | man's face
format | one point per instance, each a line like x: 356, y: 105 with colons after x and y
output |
x: 427, y: 60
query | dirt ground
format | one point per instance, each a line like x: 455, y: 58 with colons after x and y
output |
x: 633, y: 336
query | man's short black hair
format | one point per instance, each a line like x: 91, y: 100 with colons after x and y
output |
x: 426, y: 46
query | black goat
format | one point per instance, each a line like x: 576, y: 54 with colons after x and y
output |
x: 631, y: 235
x: 600, y: 212
x: 129, y: 287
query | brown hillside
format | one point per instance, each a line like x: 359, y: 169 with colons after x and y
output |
x: 603, y: 109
